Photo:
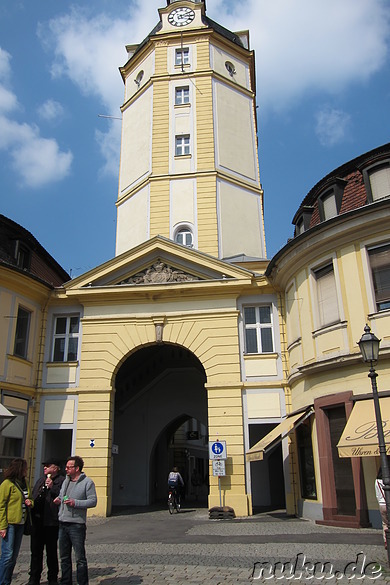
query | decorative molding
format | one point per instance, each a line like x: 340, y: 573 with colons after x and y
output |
x: 159, y: 273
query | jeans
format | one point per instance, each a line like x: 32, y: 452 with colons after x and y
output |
x: 10, y: 547
x: 41, y: 537
x: 73, y: 535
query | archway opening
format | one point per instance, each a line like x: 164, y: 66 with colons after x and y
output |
x: 160, y: 421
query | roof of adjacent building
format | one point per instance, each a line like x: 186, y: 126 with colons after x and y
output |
x: 21, y: 251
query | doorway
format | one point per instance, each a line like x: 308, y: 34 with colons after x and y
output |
x: 160, y: 407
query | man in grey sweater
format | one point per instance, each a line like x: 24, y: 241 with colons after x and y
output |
x: 77, y: 494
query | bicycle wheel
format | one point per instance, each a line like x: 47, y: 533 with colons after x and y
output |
x: 170, y: 504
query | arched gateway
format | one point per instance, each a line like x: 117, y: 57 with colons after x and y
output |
x: 160, y: 420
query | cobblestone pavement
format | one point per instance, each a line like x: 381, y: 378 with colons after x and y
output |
x: 148, y: 547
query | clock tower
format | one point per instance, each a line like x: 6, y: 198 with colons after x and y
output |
x: 189, y: 164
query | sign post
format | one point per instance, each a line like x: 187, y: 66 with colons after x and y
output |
x: 217, y: 454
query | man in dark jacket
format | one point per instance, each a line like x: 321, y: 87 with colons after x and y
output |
x: 45, y: 523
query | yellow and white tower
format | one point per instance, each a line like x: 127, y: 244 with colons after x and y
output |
x: 189, y: 165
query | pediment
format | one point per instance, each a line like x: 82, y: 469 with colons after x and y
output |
x: 158, y: 261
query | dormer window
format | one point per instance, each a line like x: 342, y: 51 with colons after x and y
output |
x: 329, y: 202
x: 22, y: 255
x: 302, y: 220
x: 377, y: 181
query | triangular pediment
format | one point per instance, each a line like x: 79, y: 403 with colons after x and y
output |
x: 158, y: 261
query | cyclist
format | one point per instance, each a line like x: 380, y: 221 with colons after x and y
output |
x: 175, y: 482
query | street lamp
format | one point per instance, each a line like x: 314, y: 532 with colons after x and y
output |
x: 369, y: 347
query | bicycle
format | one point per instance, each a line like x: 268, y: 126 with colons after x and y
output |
x: 173, y: 500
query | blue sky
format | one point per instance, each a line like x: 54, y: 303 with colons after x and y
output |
x: 323, y: 94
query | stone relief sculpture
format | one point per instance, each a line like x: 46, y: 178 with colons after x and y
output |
x: 159, y: 273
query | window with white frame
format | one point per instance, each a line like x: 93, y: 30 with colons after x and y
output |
x: 182, y: 145
x: 22, y: 331
x: 66, y: 338
x: 329, y: 206
x: 380, y: 268
x: 182, y: 95
x: 182, y: 56
x: 258, y: 329
x: 328, y: 309
x: 184, y: 237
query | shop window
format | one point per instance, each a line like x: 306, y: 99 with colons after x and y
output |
x: 380, y: 269
x: 66, y: 338
x: 306, y: 462
x: 328, y: 310
x: 22, y: 332
x: 258, y: 329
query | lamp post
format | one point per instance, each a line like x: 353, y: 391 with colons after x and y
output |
x: 369, y: 347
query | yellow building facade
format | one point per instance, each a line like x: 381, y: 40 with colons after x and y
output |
x: 189, y: 335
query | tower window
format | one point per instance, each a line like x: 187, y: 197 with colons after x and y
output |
x: 380, y: 268
x: 139, y: 78
x: 230, y: 68
x: 184, y: 237
x: 182, y: 56
x: 182, y: 145
x: 182, y: 95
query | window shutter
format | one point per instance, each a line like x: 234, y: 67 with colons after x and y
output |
x: 380, y: 183
x: 327, y: 296
x: 329, y: 206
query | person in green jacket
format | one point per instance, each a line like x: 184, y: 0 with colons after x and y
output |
x: 15, y: 501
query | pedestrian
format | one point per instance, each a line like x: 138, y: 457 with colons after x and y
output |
x: 380, y: 496
x: 15, y: 508
x: 45, y: 523
x: 77, y: 494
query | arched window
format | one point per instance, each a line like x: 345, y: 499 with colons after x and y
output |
x: 184, y: 237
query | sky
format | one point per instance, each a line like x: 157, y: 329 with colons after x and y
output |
x: 323, y: 97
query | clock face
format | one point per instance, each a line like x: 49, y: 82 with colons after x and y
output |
x: 181, y: 16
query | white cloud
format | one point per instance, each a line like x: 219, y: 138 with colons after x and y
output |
x: 332, y: 126
x: 36, y: 160
x: 51, y: 111
x: 313, y: 46
x: 303, y: 47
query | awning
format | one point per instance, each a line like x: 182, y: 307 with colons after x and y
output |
x: 256, y: 453
x: 5, y: 414
x: 360, y: 437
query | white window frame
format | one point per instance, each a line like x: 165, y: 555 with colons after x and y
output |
x: 184, y: 232
x: 182, y: 56
x: 182, y: 95
x: 258, y: 326
x: 369, y: 172
x: 183, y: 145
x: 66, y: 336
